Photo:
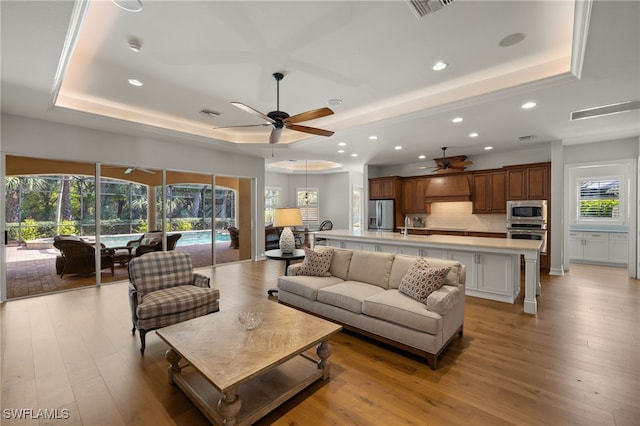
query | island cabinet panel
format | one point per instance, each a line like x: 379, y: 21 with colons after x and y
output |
x: 489, y: 192
x: 413, y: 195
x: 384, y: 188
x: 528, y: 183
x: 489, y: 275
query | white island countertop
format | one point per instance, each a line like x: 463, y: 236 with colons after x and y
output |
x: 462, y: 243
x: 513, y: 248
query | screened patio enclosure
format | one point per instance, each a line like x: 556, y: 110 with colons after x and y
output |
x: 45, y: 198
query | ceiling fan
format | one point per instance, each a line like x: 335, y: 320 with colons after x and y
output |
x: 279, y: 120
x: 458, y: 162
x: 130, y: 170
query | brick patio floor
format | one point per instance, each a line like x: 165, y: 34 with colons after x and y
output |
x: 32, y: 272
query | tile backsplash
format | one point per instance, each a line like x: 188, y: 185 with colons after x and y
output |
x: 459, y: 215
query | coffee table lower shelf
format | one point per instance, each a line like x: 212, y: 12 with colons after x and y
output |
x: 258, y: 396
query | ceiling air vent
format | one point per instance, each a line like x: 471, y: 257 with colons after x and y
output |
x: 424, y: 7
x: 604, y: 110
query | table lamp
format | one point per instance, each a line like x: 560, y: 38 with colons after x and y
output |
x: 286, y: 218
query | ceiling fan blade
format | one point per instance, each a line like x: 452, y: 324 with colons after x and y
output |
x: 462, y: 163
x: 274, y: 137
x: 309, y: 115
x: 312, y: 130
x: 244, y: 125
x: 252, y: 111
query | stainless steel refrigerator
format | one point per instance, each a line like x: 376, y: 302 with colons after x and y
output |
x: 381, y: 215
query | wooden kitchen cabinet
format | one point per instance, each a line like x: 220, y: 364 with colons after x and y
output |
x: 528, y: 183
x: 413, y: 195
x: 489, y: 192
x: 384, y: 188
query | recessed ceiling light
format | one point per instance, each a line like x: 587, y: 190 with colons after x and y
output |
x: 134, y: 82
x: 373, y: 137
x: 422, y: 167
x: 487, y: 148
x: 342, y: 144
x: 335, y: 101
x: 354, y: 155
x: 528, y: 105
x: 422, y: 157
x: 341, y: 151
x: 473, y: 135
x: 135, y: 45
x: 457, y: 120
x: 397, y: 147
x: 439, y: 66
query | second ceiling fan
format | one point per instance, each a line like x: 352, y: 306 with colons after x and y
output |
x: 279, y: 120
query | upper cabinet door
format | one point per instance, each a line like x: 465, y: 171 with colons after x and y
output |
x: 528, y: 183
x: 383, y: 188
x: 489, y: 192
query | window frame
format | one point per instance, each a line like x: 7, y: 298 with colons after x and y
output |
x: 304, y: 209
x: 271, y: 207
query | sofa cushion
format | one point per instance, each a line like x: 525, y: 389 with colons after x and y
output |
x: 421, y: 280
x: 371, y: 267
x: 348, y: 295
x: 316, y: 264
x: 443, y: 299
x: 398, y: 308
x: 402, y: 263
x: 305, y: 286
x: 175, y: 300
x: 339, y: 262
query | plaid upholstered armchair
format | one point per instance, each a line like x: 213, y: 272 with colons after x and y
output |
x: 163, y: 290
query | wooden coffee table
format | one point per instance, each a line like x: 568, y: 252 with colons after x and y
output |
x: 235, y: 376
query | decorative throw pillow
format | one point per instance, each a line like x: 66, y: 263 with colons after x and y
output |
x: 316, y: 264
x: 422, y: 279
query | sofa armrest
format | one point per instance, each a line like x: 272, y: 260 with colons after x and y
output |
x: 443, y: 299
x: 293, y: 269
x: 201, y: 281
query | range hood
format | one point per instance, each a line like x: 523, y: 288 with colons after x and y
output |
x: 448, y: 188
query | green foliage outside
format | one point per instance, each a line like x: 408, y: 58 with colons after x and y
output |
x: 598, y: 208
x: 29, y: 229
x: 67, y: 227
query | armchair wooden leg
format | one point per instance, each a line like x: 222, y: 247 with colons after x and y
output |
x: 143, y: 341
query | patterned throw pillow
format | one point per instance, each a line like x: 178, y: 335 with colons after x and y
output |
x: 422, y: 279
x: 316, y: 264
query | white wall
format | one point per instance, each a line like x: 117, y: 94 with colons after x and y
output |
x: 334, y: 190
x: 522, y: 153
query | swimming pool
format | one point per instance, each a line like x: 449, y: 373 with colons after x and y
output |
x: 188, y: 238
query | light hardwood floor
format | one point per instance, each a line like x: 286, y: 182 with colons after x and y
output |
x: 576, y: 362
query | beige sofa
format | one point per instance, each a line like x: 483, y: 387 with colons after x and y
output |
x: 362, y: 295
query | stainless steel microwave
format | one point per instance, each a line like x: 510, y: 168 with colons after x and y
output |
x: 527, y: 211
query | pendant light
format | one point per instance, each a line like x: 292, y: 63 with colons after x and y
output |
x: 306, y: 186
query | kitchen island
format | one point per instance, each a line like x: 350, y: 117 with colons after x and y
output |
x: 493, y: 264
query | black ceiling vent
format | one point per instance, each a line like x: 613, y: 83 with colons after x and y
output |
x: 604, y: 110
x: 425, y: 7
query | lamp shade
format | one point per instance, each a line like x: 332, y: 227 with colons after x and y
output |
x: 287, y: 217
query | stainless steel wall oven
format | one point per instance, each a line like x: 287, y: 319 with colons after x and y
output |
x: 527, y: 220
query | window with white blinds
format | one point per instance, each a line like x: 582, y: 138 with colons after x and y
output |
x: 307, y: 202
x: 599, y: 198
x: 272, y: 201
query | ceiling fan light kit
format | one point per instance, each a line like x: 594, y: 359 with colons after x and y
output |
x: 279, y: 120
